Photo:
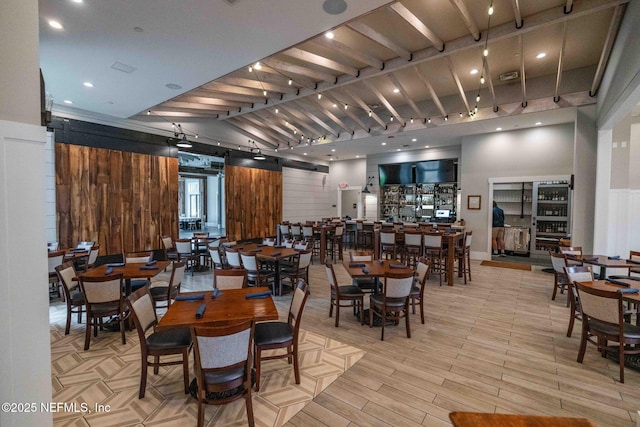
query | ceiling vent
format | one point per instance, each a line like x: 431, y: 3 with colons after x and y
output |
x: 505, y: 77
x: 123, y: 67
x: 232, y: 2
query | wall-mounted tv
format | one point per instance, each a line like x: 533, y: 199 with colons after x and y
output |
x: 436, y: 171
x: 396, y: 174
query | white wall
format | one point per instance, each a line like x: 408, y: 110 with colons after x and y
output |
x: 541, y: 151
x: 212, y: 201
x: 305, y: 195
x: 25, y: 353
x: 349, y: 172
x: 50, y: 190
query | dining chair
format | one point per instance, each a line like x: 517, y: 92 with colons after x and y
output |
x: 223, y: 365
x: 334, y: 241
x: 602, y: 321
x: 571, y: 250
x: 230, y: 279
x: 169, y: 249
x: 53, y: 246
x: 162, y: 291
x: 559, y: 262
x: 54, y: 259
x: 299, y: 269
x: 393, y: 303
x: 256, y: 275
x: 103, y: 298
x: 276, y: 335
x: 573, y: 274
x: 632, y: 273
x: 284, y: 231
x: 233, y: 258
x: 296, y: 231
x: 434, y: 252
x: 388, y: 244
x: 73, y: 296
x: 365, y: 284
x: 184, y: 248
x: 463, y: 256
x: 139, y: 257
x: 412, y: 246
x: 216, y: 259
x: 343, y: 293
x: 159, y: 342
x: 420, y: 282
x: 309, y: 236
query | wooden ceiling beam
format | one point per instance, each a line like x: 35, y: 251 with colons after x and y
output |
x: 249, y: 99
x: 405, y: 95
x: 517, y: 14
x: 239, y: 90
x: 257, y: 84
x: 556, y: 94
x: 384, y: 101
x: 173, y: 112
x: 462, y: 10
x: 262, y: 121
x: 416, y: 23
x: 372, y: 34
x: 365, y: 107
x: 320, y: 61
x: 487, y: 74
x: 287, y: 67
x: 197, y: 107
x: 254, y: 133
x: 303, y: 109
x: 614, y: 26
x: 211, y: 101
x: 333, y: 117
x: 456, y: 79
x: 434, y: 96
x: 350, y: 112
x: 345, y: 50
x: 296, y: 81
x: 300, y: 122
x: 263, y: 125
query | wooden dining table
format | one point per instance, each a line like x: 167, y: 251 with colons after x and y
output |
x: 479, y: 419
x: 229, y: 306
x: 375, y: 269
x: 604, y: 262
x: 131, y: 270
x: 606, y: 285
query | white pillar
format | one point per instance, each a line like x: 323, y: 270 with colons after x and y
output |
x: 25, y: 350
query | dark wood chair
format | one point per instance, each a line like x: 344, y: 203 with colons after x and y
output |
x: 463, y: 256
x: 223, y: 365
x: 274, y: 335
x: 343, y: 296
x: 158, y: 343
x: 256, y: 275
x: 420, y: 281
x: 184, y: 248
x: 365, y: 284
x: 230, y: 279
x: 73, y: 296
x: 576, y: 273
x: 559, y: 262
x: 169, y: 249
x: 55, y: 259
x: 602, y: 322
x: 299, y: 269
x: 388, y: 244
x: 435, y: 253
x: 162, y: 291
x: 412, y: 246
x: 139, y: 257
x: 393, y: 303
x: 103, y: 298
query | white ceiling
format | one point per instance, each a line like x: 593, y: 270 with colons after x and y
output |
x: 205, y: 46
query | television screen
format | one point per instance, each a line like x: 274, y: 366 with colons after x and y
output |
x: 436, y: 171
x: 396, y: 174
x: 444, y: 213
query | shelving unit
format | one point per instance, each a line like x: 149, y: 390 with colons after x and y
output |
x: 552, y: 214
x: 418, y: 202
x: 516, y: 200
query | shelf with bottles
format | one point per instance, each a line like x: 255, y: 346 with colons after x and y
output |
x: 559, y: 210
x: 553, y: 227
x: 553, y: 191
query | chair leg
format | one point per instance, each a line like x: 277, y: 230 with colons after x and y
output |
x: 258, y: 356
x: 68, y: 326
x: 555, y: 286
x: 124, y: 339
x: 143, y: 376
x: 200, y: 413
x: 337, y: 313
x: 249, y: 404
x: 362, y: 311
x: 572, y: 318
x: 87, y: 336
x: 583, y: 342
x: 384, y: 320
x: 621, y: 360
x: 296, y: 369
x: 185, y: 369
x: 406, y: 315
x: 156, y: 362
x: 422, y: 310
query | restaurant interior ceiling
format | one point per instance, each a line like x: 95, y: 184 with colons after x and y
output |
x: 290, y: 77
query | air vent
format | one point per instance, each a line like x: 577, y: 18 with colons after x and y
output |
x: 505, y: 77
x: 232, y: 2
x: 123, y: 67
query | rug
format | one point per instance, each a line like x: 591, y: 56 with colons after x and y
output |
x: 109, y: 374
x: 512, y: 265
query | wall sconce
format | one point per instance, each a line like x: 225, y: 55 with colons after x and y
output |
x: 366, y: 186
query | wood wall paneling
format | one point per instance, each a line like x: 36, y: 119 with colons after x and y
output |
x: 253, y: 202
x: 122, y: 200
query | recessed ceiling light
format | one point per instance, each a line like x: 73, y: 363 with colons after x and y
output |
x: 67, y: 101
x: 331, y: 159
x: 333, y: 149
x: 397, y: 149
x: 88, y: 84
x: 396, y: 90
x: 538, y: 123
x: 329, y: 34
x: 56, y: 25
x: 77, y: 1
x: 357, y: 157
x: 304, y: 154
x: 384, y: 143
x: 541, y: 55
x: 334, y: 7
x: 426, y: 146
x: 498, y: 128
x: 474, y: 71
x: 413, y: 139
x: 173, y: 86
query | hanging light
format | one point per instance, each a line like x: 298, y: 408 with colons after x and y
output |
x: 481, y: 80
x: 258, y: 66
x: 290, y: 82
x: 485, y: 52
x: 411, y: 119
x: 277, y: 111
x: 478, y: 98
x: 319, y: 96
x: 259, y: 155
x: 491, y: 9
x: 429, y: 120
x: 370, y: 113
x: 446, y: 117
x: 250, y: 69
x: 264, y: 92
x: 184, y: 142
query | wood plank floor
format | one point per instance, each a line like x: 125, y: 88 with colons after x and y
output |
x: 498, y: 345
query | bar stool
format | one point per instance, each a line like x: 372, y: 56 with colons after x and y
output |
x: 388, y: 244
x: 463, y: 255
x: 434, y: 253
x: 412, y: 246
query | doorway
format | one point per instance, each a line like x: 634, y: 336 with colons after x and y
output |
x: 350, y: 204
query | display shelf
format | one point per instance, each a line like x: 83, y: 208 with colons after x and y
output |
x: 417, y: 202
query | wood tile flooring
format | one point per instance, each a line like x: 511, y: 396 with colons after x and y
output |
x: 497, y: 344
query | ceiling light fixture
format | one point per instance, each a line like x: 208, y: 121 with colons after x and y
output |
x: 411, y: 119
x: 537, y: 123
x: 264, y: 92
x: 429, y: 120
x: 290, y: 82
x: 396, y: 90
x: 384, y: 143
x: 88, y: 84
x: 77, y: 1
x: 148, y: 112
x: 541, y: 55
x: 397, y: 149
x: 56, y: 25
x: 498, y: 129
x: 68, y: 101
x: 184, y: 142
x: 474, y: 71
x: 329, y: 34
x: 426, y: 146
x: 446, y: 118
x: 414, y: 139
x: 258, y: 66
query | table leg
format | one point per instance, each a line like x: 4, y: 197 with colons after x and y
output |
x: 450, y: 260
x: 323, y: 245
x: 603, y: 273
